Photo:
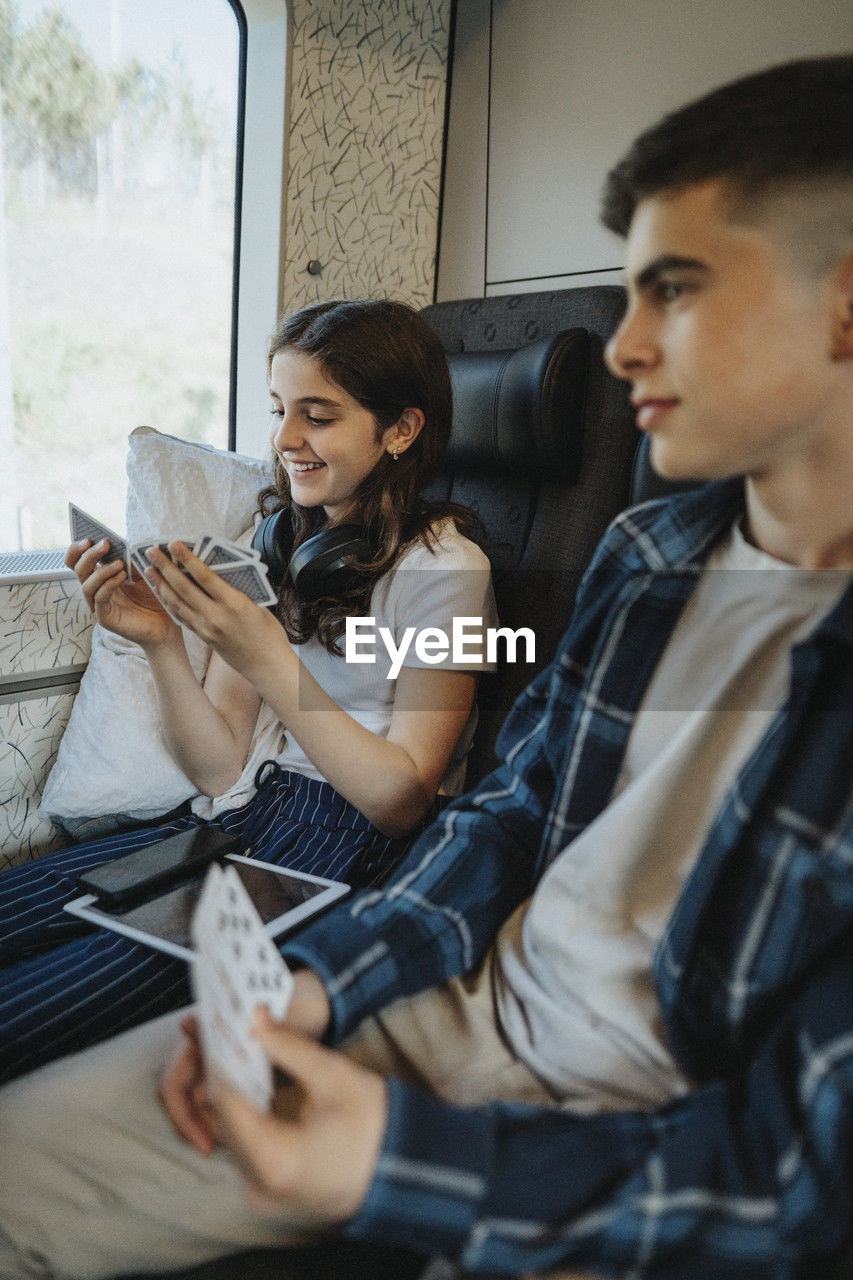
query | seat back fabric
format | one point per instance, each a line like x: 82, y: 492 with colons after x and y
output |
x: 542, y: 525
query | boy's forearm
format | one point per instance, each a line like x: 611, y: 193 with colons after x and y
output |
x: 435, y: 917
x: 746, y: 1170
x: 444, y: 904
x: 309, y: 1009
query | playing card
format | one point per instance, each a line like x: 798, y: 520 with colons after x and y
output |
x: 226, y: 1046
x: 139, y: 558
x: 253, y: 959
x: 138, y: 554
x: 218, y: 552
x: 139, y: 551
x: 239, y: 566
x: 251, y: 579
x: 85, y: 526
x: 224, y: 1026
x: 236, y: 967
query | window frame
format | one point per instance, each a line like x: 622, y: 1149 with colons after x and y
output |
x: 263, y: 113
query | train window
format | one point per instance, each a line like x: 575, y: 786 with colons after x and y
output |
x: 120, y: 148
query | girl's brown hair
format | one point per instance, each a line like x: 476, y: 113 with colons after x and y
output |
x: 388, y: 359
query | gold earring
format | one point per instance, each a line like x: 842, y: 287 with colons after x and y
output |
x: 395, y: 453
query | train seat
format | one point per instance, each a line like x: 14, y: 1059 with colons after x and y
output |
x: 543, y: 449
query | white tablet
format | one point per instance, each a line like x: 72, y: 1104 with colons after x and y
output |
x: 283, y: 898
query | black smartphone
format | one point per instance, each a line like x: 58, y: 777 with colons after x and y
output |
x: 128, y: 880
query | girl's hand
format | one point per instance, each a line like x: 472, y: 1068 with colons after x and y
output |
x: 248, y: 637
x: 127, y: 607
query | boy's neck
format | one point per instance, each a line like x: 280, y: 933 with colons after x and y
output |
x: 803, y: 514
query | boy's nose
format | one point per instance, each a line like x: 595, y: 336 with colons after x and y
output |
x: 630, y: 349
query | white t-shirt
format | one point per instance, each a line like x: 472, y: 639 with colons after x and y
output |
x: 575, y: 993
x: 427, y: 587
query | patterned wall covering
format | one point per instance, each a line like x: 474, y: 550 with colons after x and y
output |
x: 44, y: 626
x: 30, y: 731
x: 364, y: 163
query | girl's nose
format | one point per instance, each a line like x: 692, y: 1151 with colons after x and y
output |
x: 287, y: 434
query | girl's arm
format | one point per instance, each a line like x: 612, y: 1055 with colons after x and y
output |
x: 391, y: 780
x: 208, y: 730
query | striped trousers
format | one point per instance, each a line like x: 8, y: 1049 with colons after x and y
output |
x: 66, y: 984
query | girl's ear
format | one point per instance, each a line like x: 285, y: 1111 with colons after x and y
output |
x: 404, y: 431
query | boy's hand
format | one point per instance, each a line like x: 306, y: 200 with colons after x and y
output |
x: 183, y: 1092
x: 316, y: 1155
x: 183, y: 1089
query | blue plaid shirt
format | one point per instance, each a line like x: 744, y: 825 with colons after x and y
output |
x: 751, y: 1174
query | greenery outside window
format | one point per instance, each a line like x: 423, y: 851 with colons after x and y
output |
x: 119, y: 134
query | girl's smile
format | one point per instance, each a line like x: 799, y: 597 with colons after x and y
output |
x: 327, y: 442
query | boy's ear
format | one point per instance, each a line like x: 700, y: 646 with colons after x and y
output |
x: 842, y: 333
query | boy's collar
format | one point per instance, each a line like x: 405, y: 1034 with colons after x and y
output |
x: 687, y: 525
x: 704, y: 516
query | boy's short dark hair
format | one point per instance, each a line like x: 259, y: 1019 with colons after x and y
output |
x: 789, y: 124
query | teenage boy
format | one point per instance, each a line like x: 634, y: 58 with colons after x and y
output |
x: 648, y: 1065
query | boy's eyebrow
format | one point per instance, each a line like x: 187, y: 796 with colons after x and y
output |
x: 667, y: 262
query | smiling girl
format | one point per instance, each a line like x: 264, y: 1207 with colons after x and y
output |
x: 316, y: 763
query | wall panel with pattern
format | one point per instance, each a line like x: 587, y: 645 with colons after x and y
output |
x: 30, y: 730
x: 45, y: 628
x: 365, y: 143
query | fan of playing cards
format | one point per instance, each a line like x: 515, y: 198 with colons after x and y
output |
x: 236, y: 967
x: 240, y: 567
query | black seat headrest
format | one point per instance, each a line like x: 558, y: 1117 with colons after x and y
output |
x: 521, y: 412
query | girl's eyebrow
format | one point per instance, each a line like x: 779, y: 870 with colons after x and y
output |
x: 305, y: 400
x: 329, y: 404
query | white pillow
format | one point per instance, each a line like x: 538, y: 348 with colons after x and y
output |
x: 113, y: 764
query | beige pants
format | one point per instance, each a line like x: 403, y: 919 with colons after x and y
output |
x: 93, y: 1182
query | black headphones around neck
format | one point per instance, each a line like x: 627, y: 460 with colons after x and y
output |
x: 317, y: 567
